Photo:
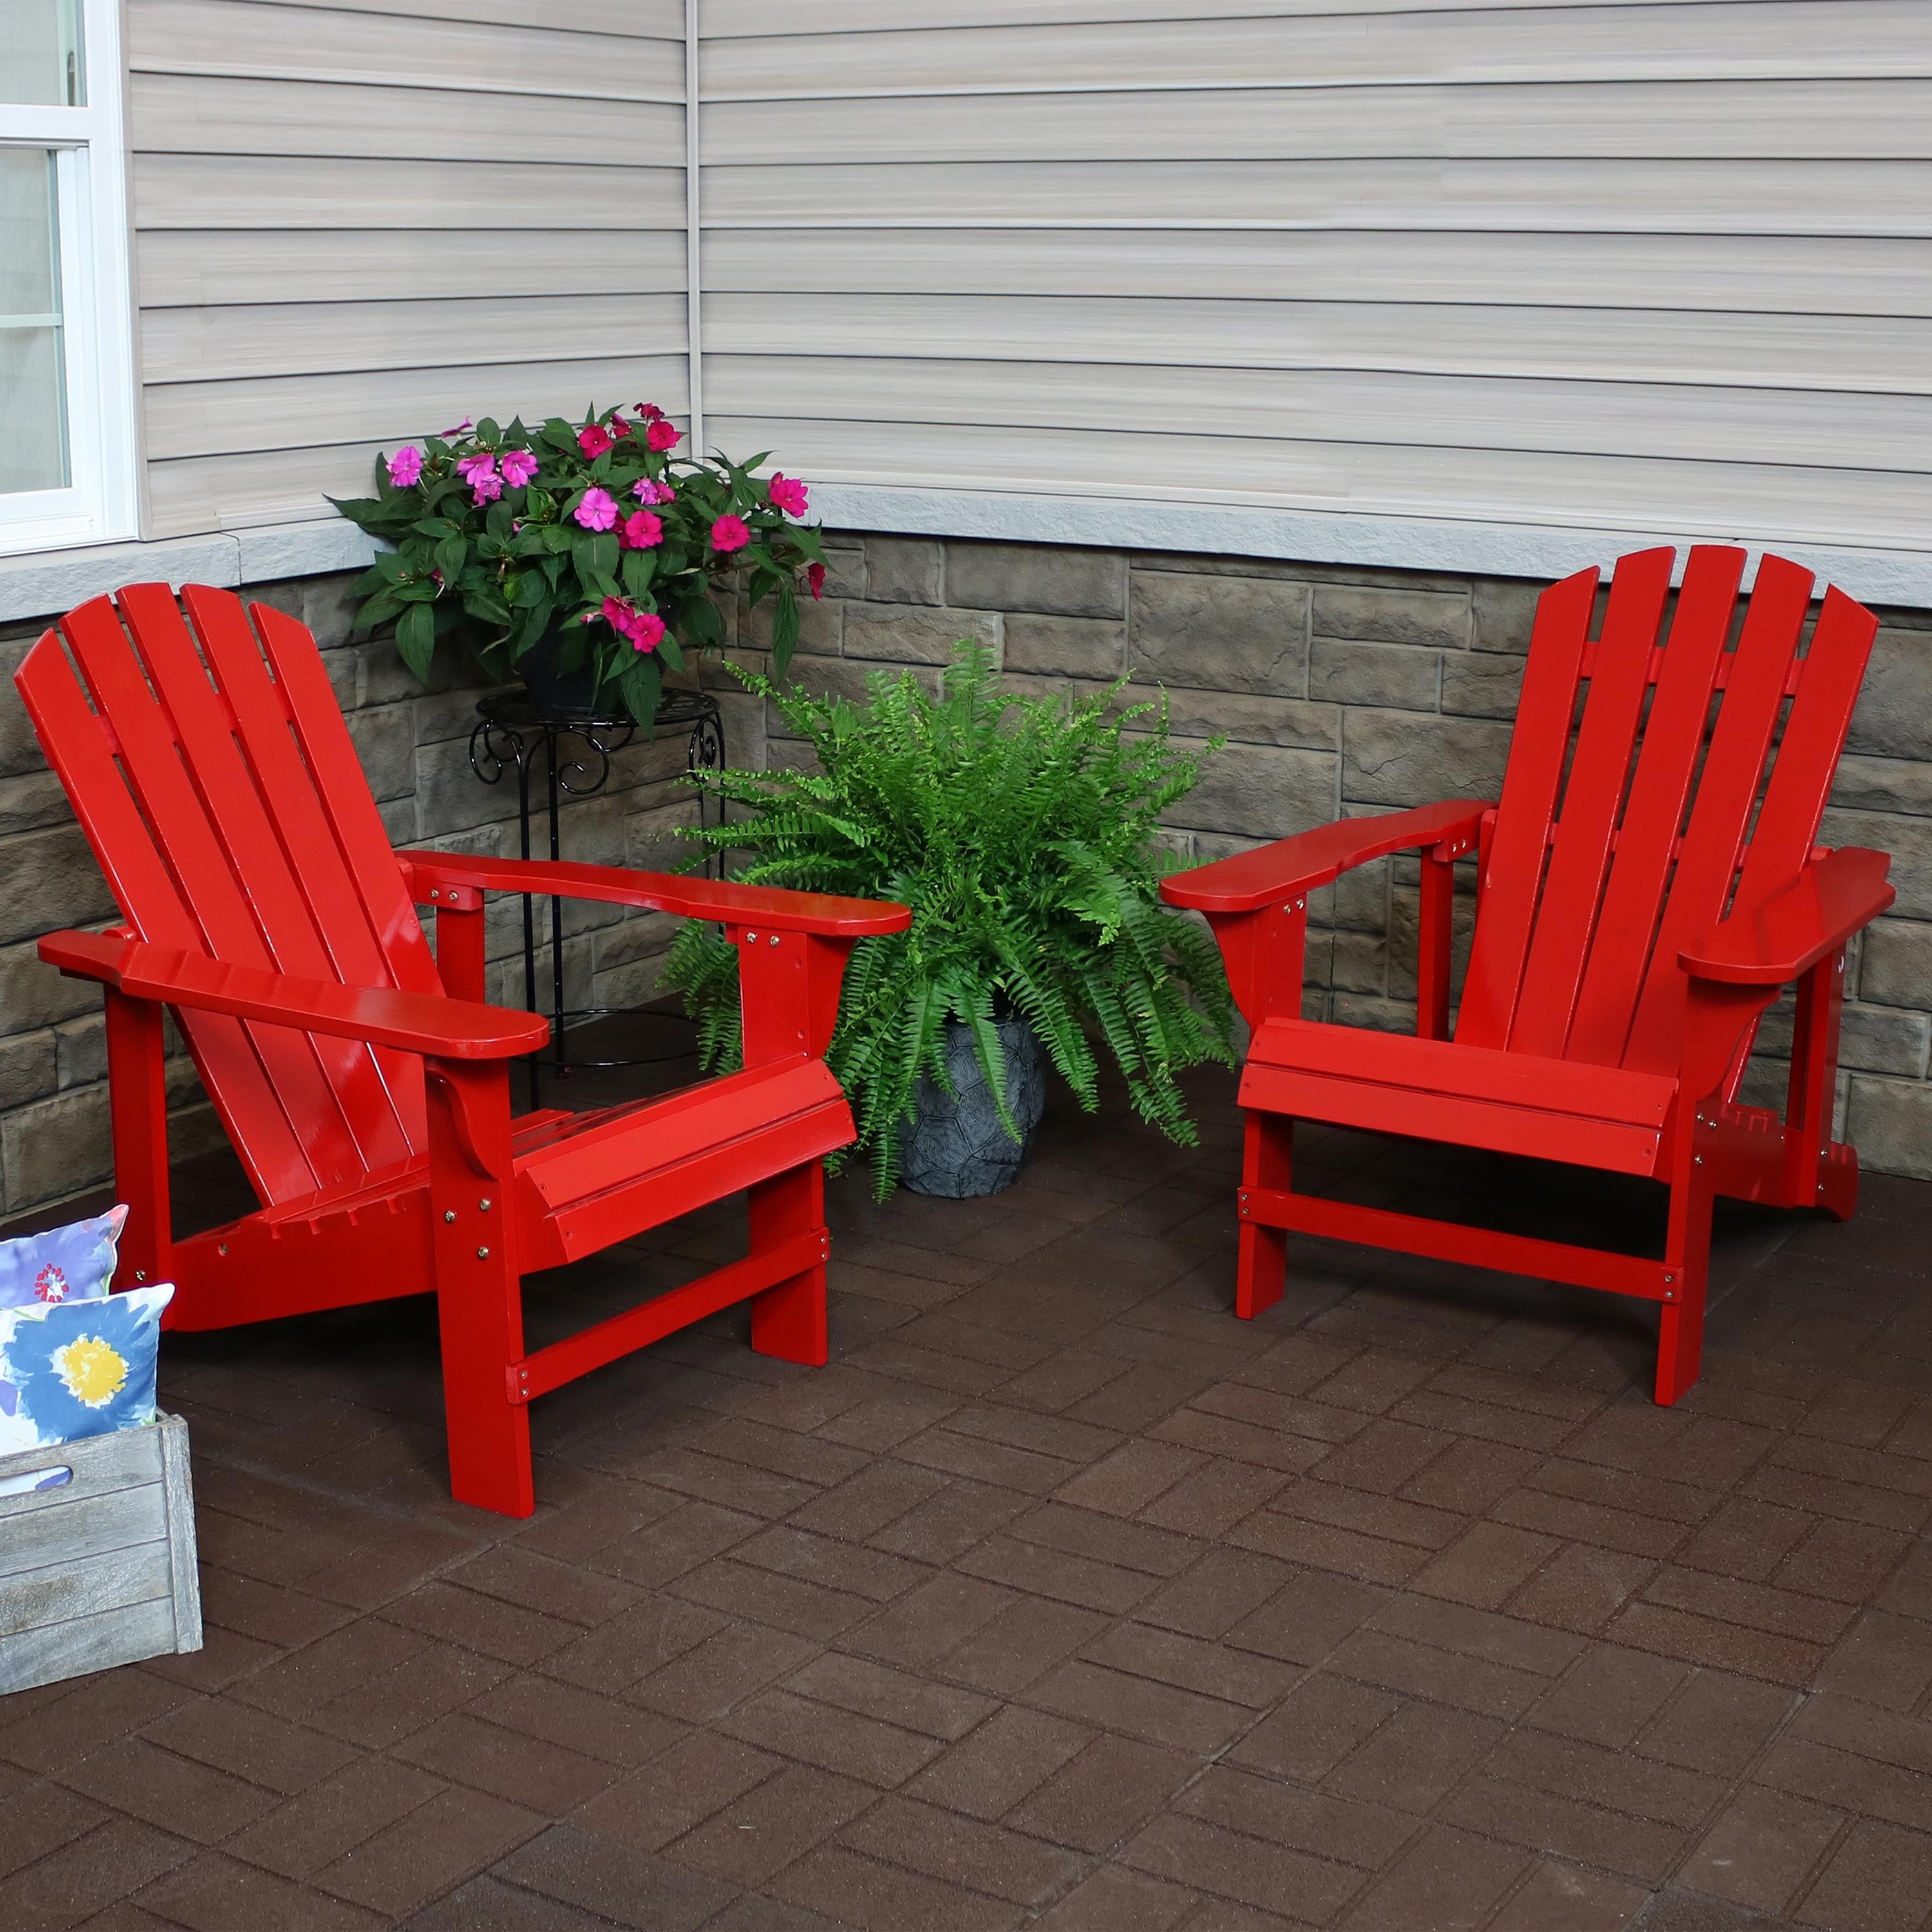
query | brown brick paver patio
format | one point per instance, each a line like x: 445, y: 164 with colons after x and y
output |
x: 1061, y: 1598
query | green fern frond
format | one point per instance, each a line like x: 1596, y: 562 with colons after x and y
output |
x: 1025, y: 834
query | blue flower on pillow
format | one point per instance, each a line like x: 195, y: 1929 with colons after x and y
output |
x: 87, y: 1368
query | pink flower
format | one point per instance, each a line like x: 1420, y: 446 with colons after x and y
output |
x: 787, y: 494
x: 619, y: 429
x: 461, y: 429
x: 473, y: 468
x: 730, y: 533
x: 642, y: 531
x: 648, y: 492
x: 645, y: 629
x: 648, y: 411
x: 519, y: 466
x: 593, y: 439
x: 406, y: 466
x: 486, y: 489
x: 597, y: 511
x: 814, y: 577
x: 662, y: 435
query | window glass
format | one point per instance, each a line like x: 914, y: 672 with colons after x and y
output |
x: 40, y: 54
x: 33, y: 402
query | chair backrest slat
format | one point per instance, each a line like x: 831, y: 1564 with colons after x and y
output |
x: 1653, y: 819
x: 343, y: 793
x: 214, y: 822
x: 164, y: 784
x: 79, y: 746
x: 352, y: 946
x: 254, y: 789
x: 1513, y: 871
x: 1579, y: 856
x: 1595, y: 878
x: 1727, y: 790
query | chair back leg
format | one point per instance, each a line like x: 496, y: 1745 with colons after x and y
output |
x: 788, y: 1321
x: 1260, y: 1271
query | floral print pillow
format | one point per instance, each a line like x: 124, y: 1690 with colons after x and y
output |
x: 78, y: 1368
x: 68, y: 1264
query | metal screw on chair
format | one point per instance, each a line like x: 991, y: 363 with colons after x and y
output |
x: 449, y: 1213
x: 484, y: 1204
x: 775, y: 939
x: 482, y: 1254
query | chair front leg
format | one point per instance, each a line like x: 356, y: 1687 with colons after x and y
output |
x: 789, y: 1321
x: 479, y: 1287
x: 137, y: 1103
x: 1819, y: 1172
x: 1435, y: 944
x: 1687, y: 1253
x: 1261, y: 1266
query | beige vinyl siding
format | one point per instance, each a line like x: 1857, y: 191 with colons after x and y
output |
x: 356, y: 224
x: 1666, y: 263
x: 1781, y: 276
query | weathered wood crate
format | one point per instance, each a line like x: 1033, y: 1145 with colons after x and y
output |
x: 100, y: 1570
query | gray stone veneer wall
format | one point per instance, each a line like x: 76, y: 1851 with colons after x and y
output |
x: 1340, y: 690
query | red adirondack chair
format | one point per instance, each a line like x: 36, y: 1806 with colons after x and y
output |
x: 1644, y: 893
x: 365, y: 1085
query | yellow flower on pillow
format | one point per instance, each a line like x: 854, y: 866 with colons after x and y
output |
x: 92, y: 1370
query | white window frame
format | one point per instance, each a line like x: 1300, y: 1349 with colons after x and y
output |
x: 101, y: 501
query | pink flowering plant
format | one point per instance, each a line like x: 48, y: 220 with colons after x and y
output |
x: 596, y: 536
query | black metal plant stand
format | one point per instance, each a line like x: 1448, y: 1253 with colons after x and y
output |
x: 509, y: 733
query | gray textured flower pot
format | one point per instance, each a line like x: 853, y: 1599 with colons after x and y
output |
x: 956, y: 1146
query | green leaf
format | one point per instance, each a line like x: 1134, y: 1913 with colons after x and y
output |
x: 641, y: 685
x: 701, y: 625
x: 532, y: 621
x: 452, y: 555
x: 415, y: 640
x: 378, y: 610
x: 487, y: 432
x: 784, y: 626
x: 639, y: 567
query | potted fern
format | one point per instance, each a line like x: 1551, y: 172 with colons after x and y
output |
x: 1023, y: 834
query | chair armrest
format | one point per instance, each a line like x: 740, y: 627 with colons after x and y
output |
x: 431, y: 874
x: 413, y: 1022
x: 1271, y: 874
x: 1831, y: 898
